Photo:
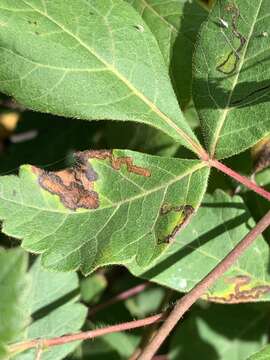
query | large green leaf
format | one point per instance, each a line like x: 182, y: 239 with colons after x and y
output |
x: 221, y: 332
x: 231, y: 82
x: 220, y: 223
x: 90, y: 60
x: 175, y: 24
x: 54, y: 311
x: 110, y: 208
x: 14, y: 289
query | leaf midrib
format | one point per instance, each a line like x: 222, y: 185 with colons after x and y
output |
x: 227, y: 109
x: 130, y: 199
x: 150, y: 104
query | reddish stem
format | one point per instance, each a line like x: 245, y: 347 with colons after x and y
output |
x: 242, y: 179
x: 189, y: 299
x: 120, y: 297
x: 43, y: 343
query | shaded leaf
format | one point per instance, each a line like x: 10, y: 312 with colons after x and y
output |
x: 92, y: 287
x: 55, y: 138
x: 220, y: 223
x: 54, y: 311
x: 123, y: 343
x: 175, y: 25
x: 101, y: 349
x: 111, y: 208
x: 117, y: 71
x: 231, y: 77
x: 14, y: 289
x: 221, y: 332
x: 146, y: 303
x: 141, y: 138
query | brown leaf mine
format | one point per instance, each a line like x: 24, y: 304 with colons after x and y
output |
x: 172, y: 219
x: 242, y: 291
x: 116, y: 162
x: 74, y: 186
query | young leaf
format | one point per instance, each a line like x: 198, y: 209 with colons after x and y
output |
x: 231, y: 78
x: 112, y: 207
x: 264, y: 354
x: 90, y: 60
x: 215, y: 338
x: 54, y: 311
x: 220, y: 223
x: 14, y: 290
x: 175, y: 25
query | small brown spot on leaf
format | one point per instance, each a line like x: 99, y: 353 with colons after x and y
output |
x: 116, y: 162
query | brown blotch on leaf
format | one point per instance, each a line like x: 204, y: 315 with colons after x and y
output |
x: 240, y: 295
x: 74, y: 186
x: 116, y: 162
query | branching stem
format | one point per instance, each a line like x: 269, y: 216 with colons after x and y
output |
x: 44, y: 343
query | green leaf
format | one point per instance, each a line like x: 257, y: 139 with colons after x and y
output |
x: 89, y: 60
x: 146, y: 303
x: 175, y: 24
x: 14, y: 286
x: 113, y: 207
x: 221, y: 332
x: 54, y: 311
x: 264, y: 354
x: 92, y: 287
x: 123, y: 343
x: 220, y: 223
x: 231, y: 78
x: 115, y: 346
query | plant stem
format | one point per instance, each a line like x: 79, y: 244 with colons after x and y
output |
x: 242, y: 179
x: 150, y: 331
x: 43, y: 343
x: 189, y: 299
x: 120, y: 297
